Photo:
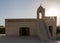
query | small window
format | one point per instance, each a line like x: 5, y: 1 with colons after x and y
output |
x: 40, y: 15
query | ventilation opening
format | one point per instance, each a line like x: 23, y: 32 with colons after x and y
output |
x: 40, y: 15
x: 50, y: 29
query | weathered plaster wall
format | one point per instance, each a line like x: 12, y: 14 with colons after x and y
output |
x: 12, y: 28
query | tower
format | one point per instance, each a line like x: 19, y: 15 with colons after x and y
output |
x: 40, y: 12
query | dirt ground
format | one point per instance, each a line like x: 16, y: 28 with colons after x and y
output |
x: 24, y: 39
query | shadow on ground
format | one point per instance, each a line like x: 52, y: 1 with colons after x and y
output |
x: 24, y: 39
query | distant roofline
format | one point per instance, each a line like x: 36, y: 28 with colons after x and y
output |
x: 1, y: 26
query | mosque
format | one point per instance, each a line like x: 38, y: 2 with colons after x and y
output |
x: 42, y: 27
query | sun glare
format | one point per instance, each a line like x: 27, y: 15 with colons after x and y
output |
x: 53, y: 11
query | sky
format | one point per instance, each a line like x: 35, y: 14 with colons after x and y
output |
x: 27, y: 9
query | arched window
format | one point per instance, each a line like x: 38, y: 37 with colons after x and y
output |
x: 40, y: 15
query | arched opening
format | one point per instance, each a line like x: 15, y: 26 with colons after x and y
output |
x: 40, y: 15
x: 50, y: 29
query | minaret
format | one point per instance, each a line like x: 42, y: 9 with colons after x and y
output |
x: 40, y: 12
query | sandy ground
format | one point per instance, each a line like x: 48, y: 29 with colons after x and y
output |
x: 24, y: 39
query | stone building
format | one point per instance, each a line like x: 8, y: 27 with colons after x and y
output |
x: 42, y: 27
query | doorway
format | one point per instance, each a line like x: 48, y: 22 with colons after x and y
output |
x: 24, y: 31
x: 50, y: 29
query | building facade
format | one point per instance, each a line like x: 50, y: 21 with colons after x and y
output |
x: 42, y: 27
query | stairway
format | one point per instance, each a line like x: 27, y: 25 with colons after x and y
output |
x: 43, y: 31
